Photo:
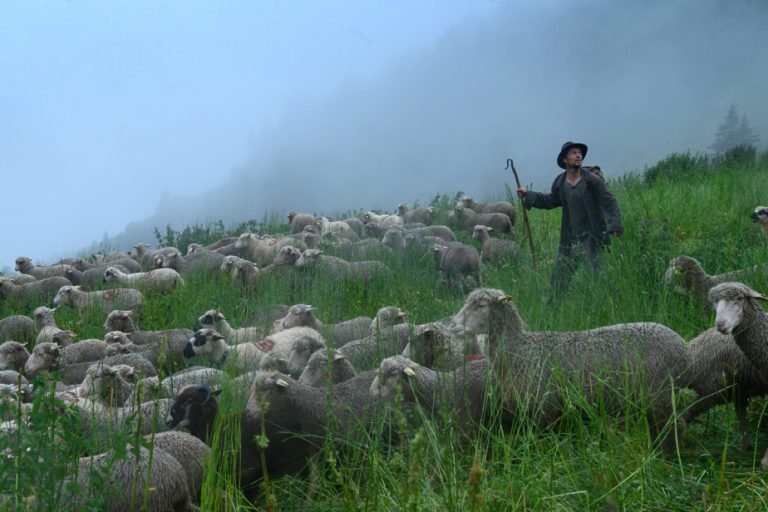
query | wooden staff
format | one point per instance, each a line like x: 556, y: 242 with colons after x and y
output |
x: 511, y: 164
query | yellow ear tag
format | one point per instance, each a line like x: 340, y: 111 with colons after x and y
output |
x: 410, y: 372
x: 506, y: 299
x: 282, y: 383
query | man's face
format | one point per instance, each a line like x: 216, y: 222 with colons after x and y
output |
x: 573, y: 157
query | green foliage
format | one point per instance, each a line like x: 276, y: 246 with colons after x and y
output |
x: 418, y: 460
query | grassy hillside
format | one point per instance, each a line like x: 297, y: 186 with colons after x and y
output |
x: 683, y: 205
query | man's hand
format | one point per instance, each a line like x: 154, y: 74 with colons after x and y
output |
x: 521, y: 192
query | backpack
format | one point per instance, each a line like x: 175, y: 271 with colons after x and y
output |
x: 594, y: 169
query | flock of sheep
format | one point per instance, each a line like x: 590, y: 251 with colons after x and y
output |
x: 324, y: 379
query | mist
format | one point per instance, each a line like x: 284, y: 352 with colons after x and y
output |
x: 436, y: 113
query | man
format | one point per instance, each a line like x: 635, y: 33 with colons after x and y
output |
x: 590, y: 215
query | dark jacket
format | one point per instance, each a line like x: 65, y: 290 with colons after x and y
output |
x: 602, y: 208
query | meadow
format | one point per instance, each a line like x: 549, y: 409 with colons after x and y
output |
x: 686, y: 204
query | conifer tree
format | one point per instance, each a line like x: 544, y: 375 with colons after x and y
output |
x: 732, y: 133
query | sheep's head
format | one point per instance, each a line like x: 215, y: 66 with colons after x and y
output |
x: 205, y: 342
x: 23, y: 264
x: 475, y: 316
x: 387, y: 316
x: 287, y: 255
x: 191, y: 248
x: 211, y: 317
x: 111, y: 384
x: 194, y: 410
x: 43, y: 316
x: 312, y: 228
x: 301, y: 352
x: 730, y: 301
x: 63, y: 338
x: 45, y: 356
x: 229, y: 263
x: 141, y: 249
x: 683, y: 272
x: 760, y: 214
x: 480, y: 232
x: 117, y: 338
x: 395, y: 373
x: 316, y: 371
x: 110, y: 274
x: 120, y: 320
x: 64, y: 295
x: 242, y: 240
x: 298, y: 315
x: 291, y: 215
x: 308, y: 258
x: 13, y: 356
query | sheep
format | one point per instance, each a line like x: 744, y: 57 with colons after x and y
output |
x: 45, y: 324
x: 494, y: 250
x: 18, y: 278
x: 111, y: 385
x: 147, y: 257
x: 18, y: 328
x: 718, y: 364
x: 366, y: 249
x: 301, y: 351
x: 200, y: 260
x: 385, y: 317
x: 298, y: 221
x: 317, y: 371
x: 315, y: 260
x: 463, y: 391
x: 469, y: 219
x: 141, y: 476
x: 640, y: 362
x: 384, y: 220
x: 365, y: 353
x: 738, y: 314
x: 460, y: 264
x: 13, y: 356
x: 242, y: 270
x: 169, y: 343
x: 50, y: 357
x: 160, y: 280
x: 504, y: 207
x: 422, y: 215
x: 263, y: 250
x: 99, y: 302
x: 191, y: 452
x: 25, y: 266
x: 217, y: 320
x: 90, y: 279
x: 194, y: 410
x: 35, y: 292
x: 334, y: 226
x: 339, y: 333
x: 689, y: 278
x: 151, y: 387
x: 118, y: 260
x: 760, y: 214
x: 247, y: 356
x: 356, y: 225
x: 435, y: 346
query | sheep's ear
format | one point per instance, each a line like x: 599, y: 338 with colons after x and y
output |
x: 506, y: 299
x: 217, y: 337
x: 338, y: 356
x: 216, y: 392
x: 758, y: 295
x: 489, y: 228
x: 410, y: 372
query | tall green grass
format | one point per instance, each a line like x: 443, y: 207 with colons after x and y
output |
x: 588, y: 460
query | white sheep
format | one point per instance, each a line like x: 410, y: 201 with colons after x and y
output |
x: 459, y: 263
x: 45, y: 324
x: 298, y: 221
x: 504, y: 207
x: 494, y: 250
x: 216, y: 319
x: 314, y: 260
x: 25, y: 266
x: 246, y: 356
x: 385, y: 220
x: 689, y: 278
x: 161, y: 280
x: 337, y: 334
x: 262, y: 250
x: 470, y: 218
x: 147, y: 257
x: 422, y: 215
x: 102, y: 302
x: 737, y: 313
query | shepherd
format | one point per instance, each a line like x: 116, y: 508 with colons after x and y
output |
x: 591, y: 216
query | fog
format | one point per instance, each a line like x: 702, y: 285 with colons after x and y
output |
x: 117, y: 118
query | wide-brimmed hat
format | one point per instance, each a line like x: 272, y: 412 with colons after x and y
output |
x: 568, y: 145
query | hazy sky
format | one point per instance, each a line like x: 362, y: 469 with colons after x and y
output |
x: 108, y: 109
